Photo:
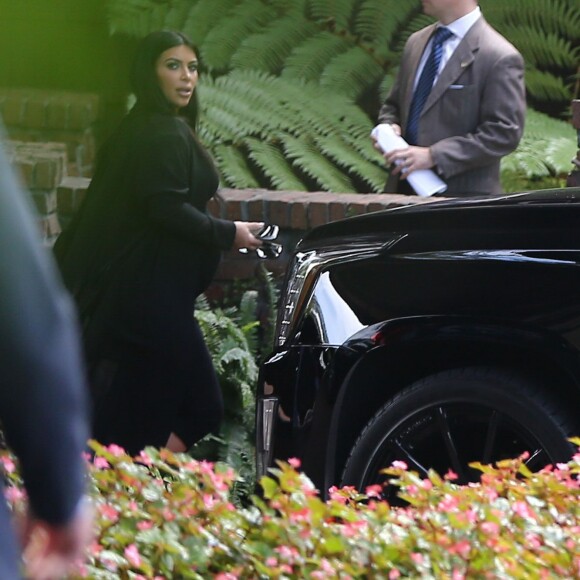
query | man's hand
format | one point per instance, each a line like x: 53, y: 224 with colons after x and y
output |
x: 50, y: 551
x: 409, y: 159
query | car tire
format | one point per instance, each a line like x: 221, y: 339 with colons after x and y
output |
x: 450, y: 419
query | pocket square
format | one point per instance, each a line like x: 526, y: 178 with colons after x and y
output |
x: 455, y: 87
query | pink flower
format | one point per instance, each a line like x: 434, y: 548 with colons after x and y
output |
x: 451, y: 475
x: 115, y: 450
x: 271, y: 562
x: 417, y: 558
x: 132, y: 554
x: 457, y: 575
x: 8, y: 463
x: 209, y: 501
x: 144, y: 525
x: 95, y: 548
x: 351, y: 529
x: 287, y: 552
x: 13, y: 494
x: 394, y: 574
x: 400, y: 465
x: 301, y: 515
x: 490, y: 528
x: 374, y: 490
x: 294, y: 462
x: 449, y: 503
x: 101, y: 463
x: 471, y: 516
x: 109, y: 512
x: 206, y: 467
x: 218, y: 482
x: 523, y: 510
x: 533, y: 541
x: 327, y: 567
x: 144, y: 458
x: 462, y: 548
x: 226, y: 576
x: 427, y: 484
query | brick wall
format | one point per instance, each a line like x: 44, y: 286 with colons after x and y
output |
x: 41, y: 167
x: 34, y: 115
x: 294, y: 211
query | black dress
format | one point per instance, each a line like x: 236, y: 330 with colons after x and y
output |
x: 137, y: 255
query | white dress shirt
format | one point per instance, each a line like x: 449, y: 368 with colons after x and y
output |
x: 459, y: 28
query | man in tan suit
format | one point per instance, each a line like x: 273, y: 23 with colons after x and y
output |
x: 474, y: 112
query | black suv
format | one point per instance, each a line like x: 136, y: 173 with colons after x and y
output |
x: 438, y: 334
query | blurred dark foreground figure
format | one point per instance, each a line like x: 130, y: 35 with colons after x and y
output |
x: 42, y: 398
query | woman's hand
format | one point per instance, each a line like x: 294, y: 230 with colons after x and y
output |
x: 245, y: 237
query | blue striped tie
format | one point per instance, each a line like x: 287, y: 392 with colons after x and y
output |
x: 425, y: 83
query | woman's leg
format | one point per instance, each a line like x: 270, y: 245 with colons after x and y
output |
x: 201, y: 406
x: 175, y: 444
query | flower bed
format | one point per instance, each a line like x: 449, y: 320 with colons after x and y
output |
x: 162, y: 515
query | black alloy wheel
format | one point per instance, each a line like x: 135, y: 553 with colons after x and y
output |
x: 452, y: 418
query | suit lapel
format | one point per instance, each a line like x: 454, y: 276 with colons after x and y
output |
x: 462, y: 57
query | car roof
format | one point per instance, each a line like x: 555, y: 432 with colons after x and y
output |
x: 456, y: 212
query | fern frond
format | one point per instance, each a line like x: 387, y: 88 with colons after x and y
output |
x: 381, y: 22
x: 233, y: 167
x: 244, y: 117
x: 135, y: 17
x: 544, y: 86
x: 560, y: 17
x: 177, y: 15
x: 386, y: 85
x: 337, y: 13
x: 271, y: 161
x: 248, y: 306
x: 542, y: 49
x: 559, y: 154
x: 351, y: 72
x: 204, y: 16
x: 226, y: 36
x: 546, y: 149
x: 268, y: 50
x: 345, y: 156
x: 308, y: 59
x: 305, y: 156
x: 415, y: 23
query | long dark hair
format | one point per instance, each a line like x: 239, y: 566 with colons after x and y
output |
x: 144, y: 78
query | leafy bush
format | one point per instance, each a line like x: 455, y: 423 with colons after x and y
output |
x: 162, y: 515
x: 230, y: 335
x: 237, y: 337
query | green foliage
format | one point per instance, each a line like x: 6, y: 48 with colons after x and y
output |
x: 166, y: 515
x: 237, y: 337
x: 280, y: 132
x: 286, y: 78
x: 543, y: 156
x: 231, y: 337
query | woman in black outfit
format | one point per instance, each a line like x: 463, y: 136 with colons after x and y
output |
x: 137, y: 254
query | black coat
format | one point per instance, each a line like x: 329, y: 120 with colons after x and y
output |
x: 139, y: 252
